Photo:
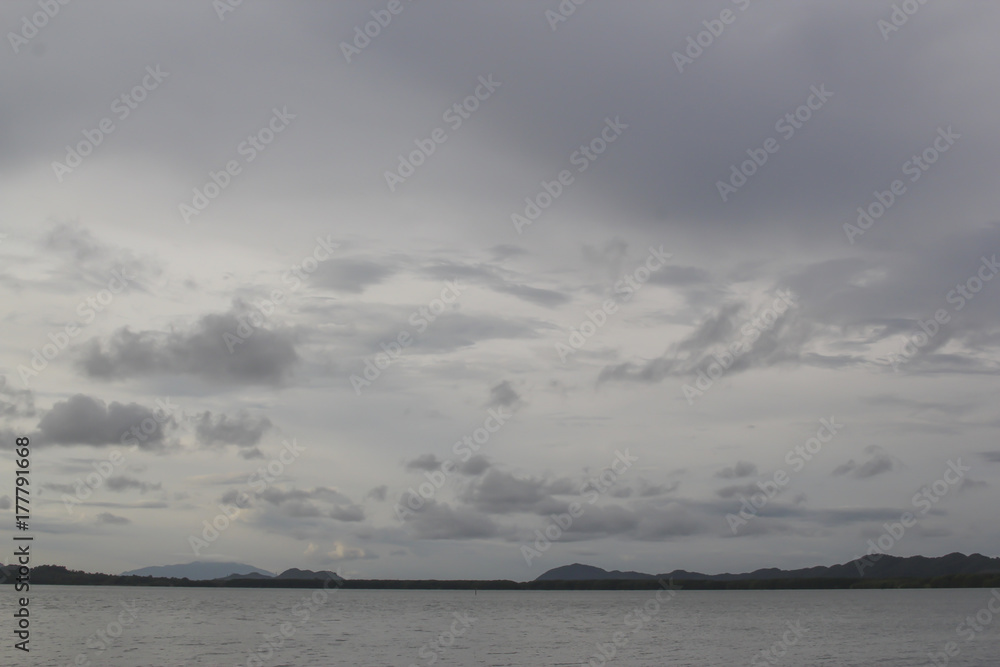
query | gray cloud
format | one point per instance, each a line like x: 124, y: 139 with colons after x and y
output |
x: 83, y: 420
x: 877, y: 464
x: 126, y: 483
x: 741, y: 469
x: 266, y: 357
x: 242, y: 430
x: 350, y: 513
x: 428, y: 462
x: 452, y: 331
x: 503, y: 394
x: 15, y: 402
x: 350, y: 275
x: 497, y: 279
x: 440, y: 521
x: 476, y: 465
x: 499, y: 492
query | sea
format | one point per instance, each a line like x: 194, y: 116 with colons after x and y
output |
x: 151, y: 626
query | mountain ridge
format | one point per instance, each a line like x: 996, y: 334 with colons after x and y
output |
x: 197, y: 570
x: 882, y: 567
x: 211, y: 571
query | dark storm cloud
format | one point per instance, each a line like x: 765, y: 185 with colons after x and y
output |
x: 266, y: 357
x: 83, y: 420
x: 242, y: 430
x: 107, y: 518
x: 667, y: 163
x: 378, y: 493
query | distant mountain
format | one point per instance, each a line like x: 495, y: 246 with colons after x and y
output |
x: 296, y: 573
x: 198, y: 570
x: 886, y: 567
x: 248, y: 575
x: 579, y: 572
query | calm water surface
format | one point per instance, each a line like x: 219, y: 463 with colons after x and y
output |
x: 124, y: 626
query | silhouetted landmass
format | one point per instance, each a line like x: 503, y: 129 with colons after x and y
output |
x: 885, y: 567
x: 296, y: 573
x: 951, y: 571
x: 198, y: 570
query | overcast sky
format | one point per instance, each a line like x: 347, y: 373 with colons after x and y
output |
x: 604, y: 264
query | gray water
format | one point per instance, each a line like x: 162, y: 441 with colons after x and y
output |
x: 90, y: 625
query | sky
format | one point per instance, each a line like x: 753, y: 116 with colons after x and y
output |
x: 480, y: 289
